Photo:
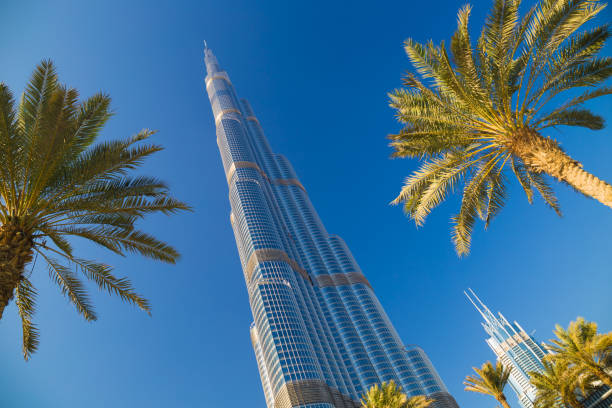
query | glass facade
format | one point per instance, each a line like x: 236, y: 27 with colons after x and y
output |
x: 321, y: 337
x: 518, y: 350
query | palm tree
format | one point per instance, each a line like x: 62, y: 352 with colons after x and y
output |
x: 491, y: 380
x: 419, y: 401
x: 479, y: 113
x: 581, y: 346
x: 557, y: 385
x: 389, y: 395
x: 56, y: 183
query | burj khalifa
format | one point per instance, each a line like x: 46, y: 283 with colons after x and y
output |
x: 320, y: 335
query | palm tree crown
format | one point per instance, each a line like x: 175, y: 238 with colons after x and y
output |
x: 419, y: 401
x: 389, y: 395
x: 557, y: 385
x: 56, y: 183
x: 581, y: 347
x: 476, y: 114
x: 491, y: 380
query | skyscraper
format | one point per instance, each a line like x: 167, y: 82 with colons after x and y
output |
x: 519, y: 351
x: 514, y: 348
x: 321, y: 337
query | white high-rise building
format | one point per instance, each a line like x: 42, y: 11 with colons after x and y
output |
x: 514, y: 348
x: 520, y: 352
x: 320, y: 334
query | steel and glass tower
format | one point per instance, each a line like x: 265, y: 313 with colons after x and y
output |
x: 514, y: 348
x: 519, y: 351
x: 320, y: 335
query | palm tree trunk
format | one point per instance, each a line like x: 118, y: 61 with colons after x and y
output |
x: 502, y: 400
x: 15, y: 254
x: 544, y: 155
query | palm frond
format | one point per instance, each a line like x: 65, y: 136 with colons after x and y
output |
x: 60, y: 242
x: 463, y: 54
x: 473, y: 204
x: 418, y: 108
x: 35, y: 98
x: 119, y: 239
x: 122, y: 187
x: 565, y: 19
x: 547, y: 193
x: 47, y: 149
x: 491, y: 380
x: 497, y: 34
x: 387, y: 395
x: 70, y: 286
x: 93, y: 234
x: 25, y: 295
x: 573, y: 117
x: 518, y: 66
x: 9, y: 147
x: 93, y: 114
x: 553, y: 22
x: 100, y: 193
x: 578, y: 49
x: 521, y: 174
x: 498, y: 30
x: 430, y: 141
x: 496, y: 194
x: 419, y: 401
x: 104, y: 161
x: 116, y: 220
x: 433, y: 62
x: 102, y: 276
x: 427, y: 187
x: 590, y: 73
x: 576, y: 101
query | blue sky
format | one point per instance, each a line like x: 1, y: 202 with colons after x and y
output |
x: 316, y: 74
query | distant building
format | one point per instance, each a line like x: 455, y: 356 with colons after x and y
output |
x: 601, y: 398
x: 518, y: 350
x: 320, y: 335
x: 514, y: 348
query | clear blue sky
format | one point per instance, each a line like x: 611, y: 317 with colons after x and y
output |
x: 317, y: 74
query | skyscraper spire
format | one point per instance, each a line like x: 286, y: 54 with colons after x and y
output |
x: 320, y: 335
x: 212, y: 65
x: 480, y: 307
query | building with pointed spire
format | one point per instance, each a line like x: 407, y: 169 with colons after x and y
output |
x: 320, y: 335
x: 514, y: 348
x: 519, y: 351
